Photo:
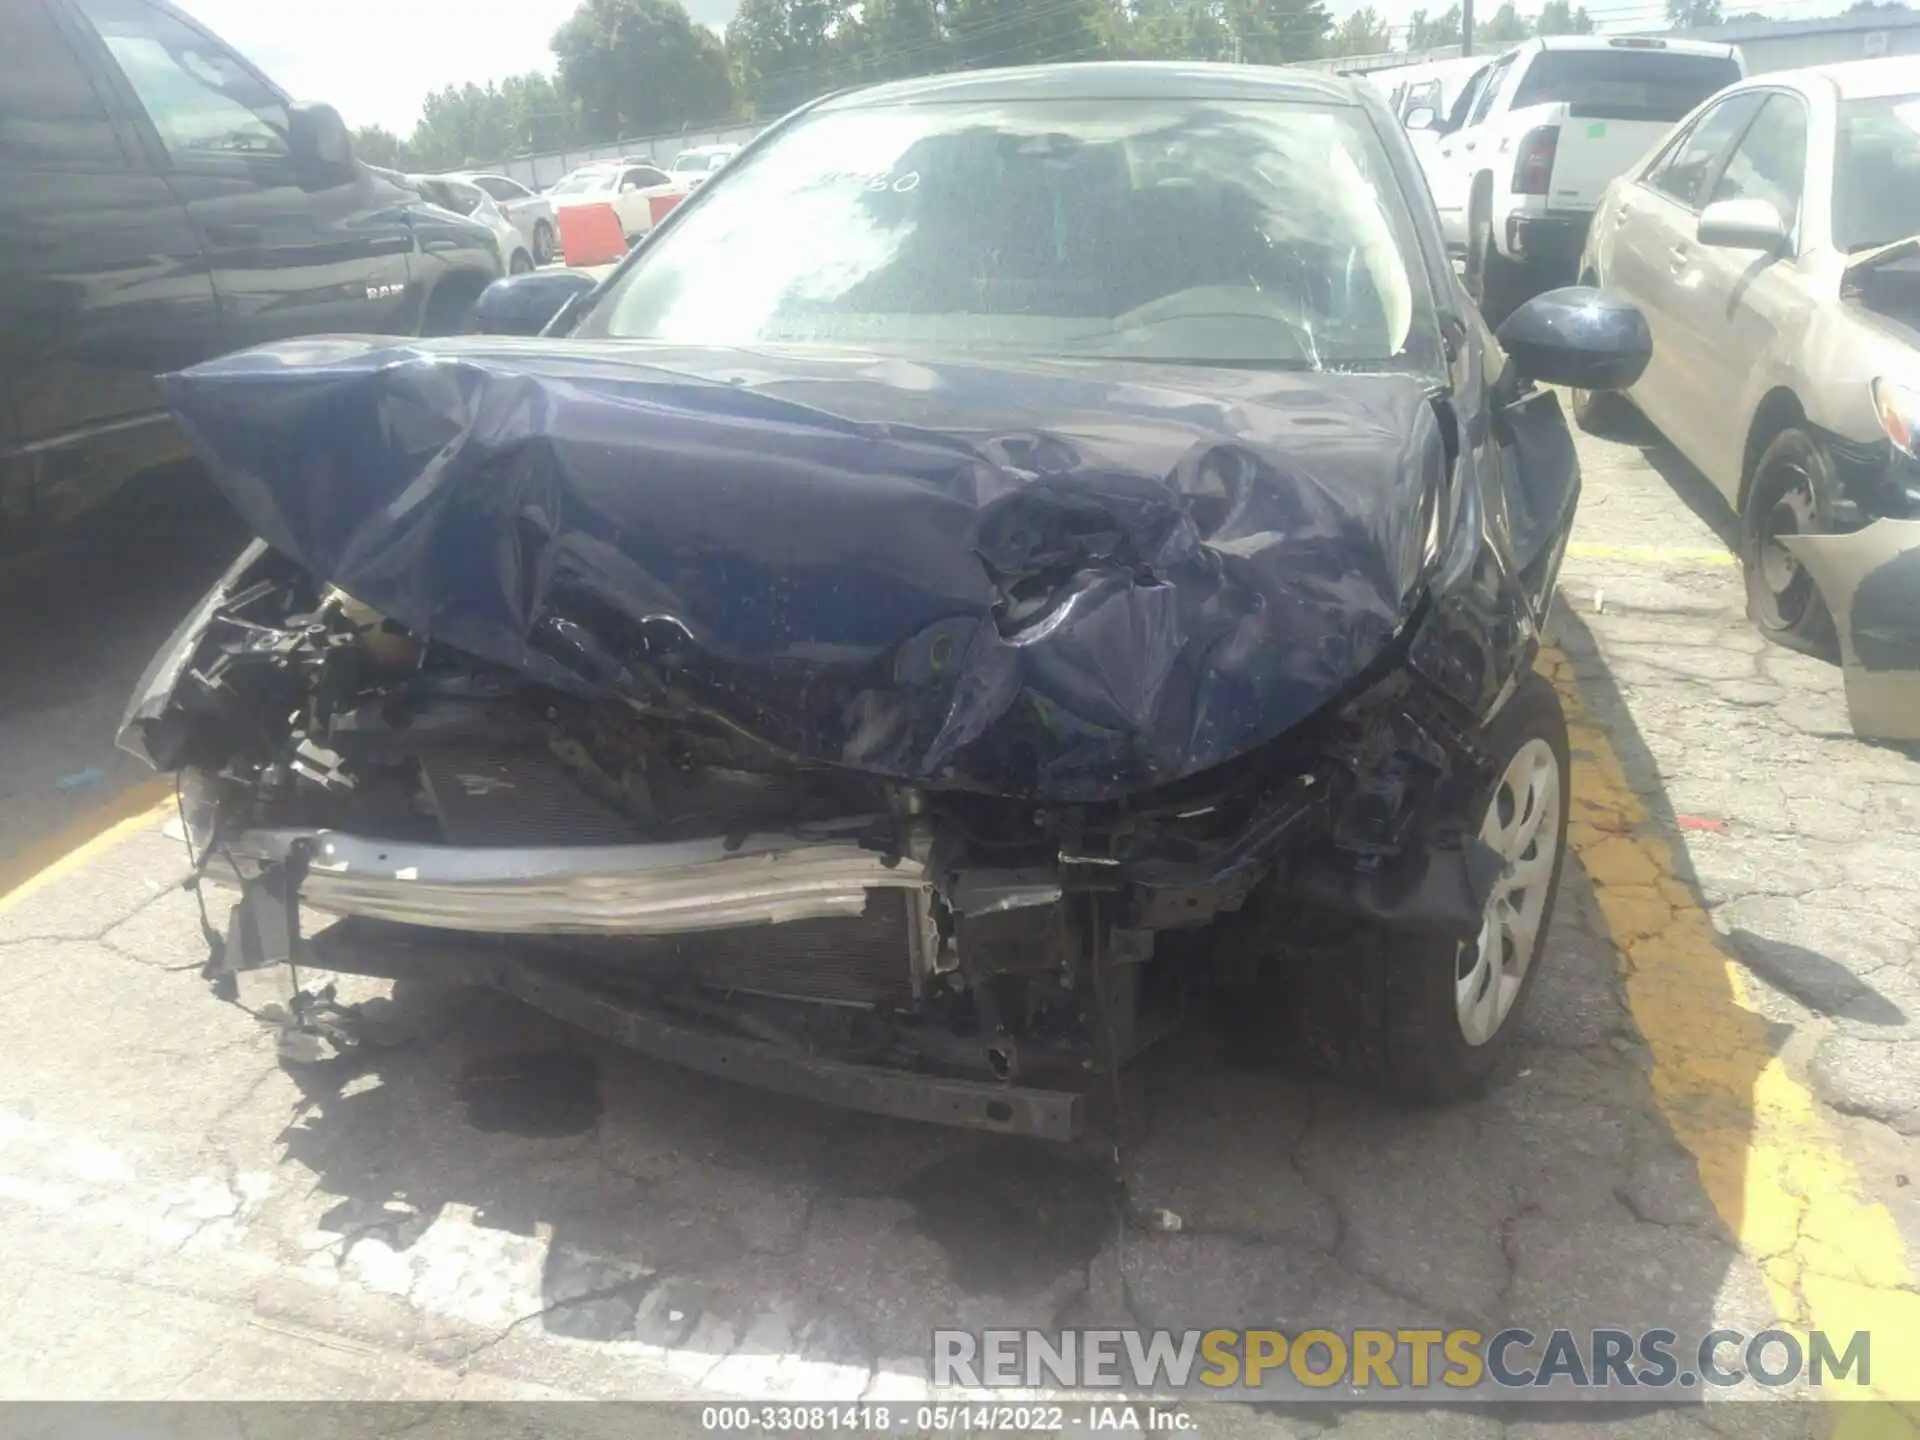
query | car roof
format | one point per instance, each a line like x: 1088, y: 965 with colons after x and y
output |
x: 1107, y: 80
x: 1646, y: 45
x: 1861, y: 79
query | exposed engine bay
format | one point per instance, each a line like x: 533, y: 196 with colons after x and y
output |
x: 661, y: 862
x: 930, y: 768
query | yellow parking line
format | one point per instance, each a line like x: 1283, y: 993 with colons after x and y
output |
x: 93, y: 834
x: 1772, y: 1166
x: 1651, y: 554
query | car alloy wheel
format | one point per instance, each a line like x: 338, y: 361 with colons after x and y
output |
x: 1522, y: 827
x: 543, y: 244
x: 1791, y: 494
x: 1787, y: 588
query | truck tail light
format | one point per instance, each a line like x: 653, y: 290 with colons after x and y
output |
x: 1533, y: 162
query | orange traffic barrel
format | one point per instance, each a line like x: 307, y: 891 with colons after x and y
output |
x: 590, y: 235
x: 661, y: 204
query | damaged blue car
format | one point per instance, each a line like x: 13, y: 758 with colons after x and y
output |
x: 1019, y: 559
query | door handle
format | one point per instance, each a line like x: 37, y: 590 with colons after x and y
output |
x: 234, y: 234
x: 1678, y: 255
x: 1470, y: 144
x: 1620, y: 215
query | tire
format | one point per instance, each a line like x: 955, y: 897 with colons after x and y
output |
x: 520, y: 264
x: 543, y: 243
x: 450, y: 306
x: 1605, y: 413
x: 1380, y: 1007
x: 1498, y: 285
x: 1792, y: 492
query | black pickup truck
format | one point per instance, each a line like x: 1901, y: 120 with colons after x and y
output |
x: 162, y: 202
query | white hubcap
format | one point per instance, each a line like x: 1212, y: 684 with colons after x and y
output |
x: 1522, y: 828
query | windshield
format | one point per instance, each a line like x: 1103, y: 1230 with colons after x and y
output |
x: 1624, y: 84
x: 584, y: 182
x: 1876, y: 172
x: 687, y: 161
x: 1266, y: 234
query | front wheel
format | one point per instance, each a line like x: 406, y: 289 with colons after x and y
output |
x: 1605, y: 413
x: 543, y: 245
x: 1424, y: 1016
x: 1791, y: 494
x: 521, y: 264
x: 1498, y: 284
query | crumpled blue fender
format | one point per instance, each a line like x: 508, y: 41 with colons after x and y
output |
x: 1062, y: 580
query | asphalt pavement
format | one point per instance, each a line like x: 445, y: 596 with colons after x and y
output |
x: 1710, y: 1120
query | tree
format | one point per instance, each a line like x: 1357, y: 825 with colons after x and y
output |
x: 1693, y: 14
x: 1361, y: 33
x: 460, y: 126
x: 634, y: 66
x: 1558, y: 17
x: 1171, y: 30
x: 1425, y: 33
x: 1505, y: 25
x: 1274, y: 32
x: 785, y: 52
x: 378, y: 145
x: 985, y: 33
x: 891, y: 39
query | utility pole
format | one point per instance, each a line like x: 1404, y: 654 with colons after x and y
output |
x: 1466, y: 27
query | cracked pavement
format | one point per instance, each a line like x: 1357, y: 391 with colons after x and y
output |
x: 495, y: 1207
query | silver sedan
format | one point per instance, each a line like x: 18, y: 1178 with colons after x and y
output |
x: 1773, y: 243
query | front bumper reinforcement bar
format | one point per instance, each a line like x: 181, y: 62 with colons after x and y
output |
x: 657, y: 889
x: 389, y: 952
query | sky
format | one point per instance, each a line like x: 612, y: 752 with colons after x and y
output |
x: 375, y: 60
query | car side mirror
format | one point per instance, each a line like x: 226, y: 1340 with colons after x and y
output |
x: 1748, y: 224
x: 528, y: 304
x: 1423, y: 117
x: 1577, y: 336
x: 321, y: 146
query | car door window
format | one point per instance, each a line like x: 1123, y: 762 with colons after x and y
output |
x: 50, y: 115
x: 461, y: 199
x: 1463, y: 107
x: 1490, y: 92
x: 208, y: 106
x: 501, y: 188
x: 1771, y: 160
x: 1687, y: 171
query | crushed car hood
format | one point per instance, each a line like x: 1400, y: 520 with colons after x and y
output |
x: 1061, y: 580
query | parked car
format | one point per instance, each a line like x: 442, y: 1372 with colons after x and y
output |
x: 1774, y: 244
x: 627, y: 187
x: 915, y: 667
x: 477, y: 205
x: 694, y: 164
x: 161, y: 202
x: 1532, y: 142
x: 531, y: 214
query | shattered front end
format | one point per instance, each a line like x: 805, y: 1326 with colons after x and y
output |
x: 515, y: 715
